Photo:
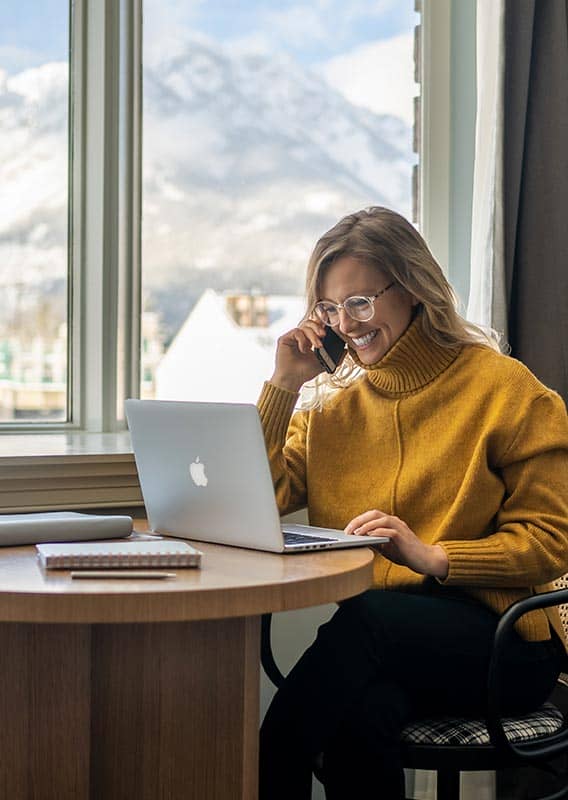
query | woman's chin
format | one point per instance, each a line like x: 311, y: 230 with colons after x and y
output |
x: 368, y: 358
x: 370, y: 355
x: 375, y: 351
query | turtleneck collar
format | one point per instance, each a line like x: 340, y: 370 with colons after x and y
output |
x: 412, y: 362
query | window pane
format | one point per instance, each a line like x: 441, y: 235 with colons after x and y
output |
x: 34, y: 55
x: 264, y: 123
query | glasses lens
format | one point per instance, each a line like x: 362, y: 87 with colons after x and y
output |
x: 359, y: 308
x: 327, y: 312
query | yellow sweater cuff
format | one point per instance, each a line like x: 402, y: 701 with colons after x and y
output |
x: 463, y: 557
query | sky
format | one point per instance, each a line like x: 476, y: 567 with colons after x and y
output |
x: 33, y: 32
x: 355, y: 44
x: 310, y: 30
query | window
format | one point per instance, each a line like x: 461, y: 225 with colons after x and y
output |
x: 235, y: 192
x: 34, y: 123
x: 261, y: 129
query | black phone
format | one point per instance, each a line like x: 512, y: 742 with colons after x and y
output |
x: 332, y: 351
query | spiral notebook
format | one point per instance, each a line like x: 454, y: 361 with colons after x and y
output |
x: 118, y: 555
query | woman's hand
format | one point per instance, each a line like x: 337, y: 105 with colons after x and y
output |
x: 404, y: 547
x: 296, y: 362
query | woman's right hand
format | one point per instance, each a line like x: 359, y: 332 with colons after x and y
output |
x: 296, y: 361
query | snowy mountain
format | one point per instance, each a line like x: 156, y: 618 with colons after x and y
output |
x: 33, y: 173
x: 248, y: 158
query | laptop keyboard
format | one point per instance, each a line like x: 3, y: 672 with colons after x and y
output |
x: 303, y: 538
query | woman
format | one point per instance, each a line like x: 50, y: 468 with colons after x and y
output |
x: 429, y: 435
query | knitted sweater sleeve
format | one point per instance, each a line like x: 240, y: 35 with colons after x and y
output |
x: 285, y: 438
x: 530, y: 544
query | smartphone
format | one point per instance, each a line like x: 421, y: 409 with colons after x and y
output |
x: 332, y: 351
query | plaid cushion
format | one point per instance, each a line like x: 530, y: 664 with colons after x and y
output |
x: 458, y: 730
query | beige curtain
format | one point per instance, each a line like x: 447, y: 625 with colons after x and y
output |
x: 486, y: 305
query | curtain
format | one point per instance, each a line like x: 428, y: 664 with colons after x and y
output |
x: 486, y: 294
x: 525, y: 268
x: 536, y: 186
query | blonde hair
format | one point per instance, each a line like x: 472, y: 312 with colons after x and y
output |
x: 383, y: 239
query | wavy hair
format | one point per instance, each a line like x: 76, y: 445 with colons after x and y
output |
x: 379, y: 237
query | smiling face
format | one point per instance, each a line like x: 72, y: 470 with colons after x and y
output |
x: 371, y: 340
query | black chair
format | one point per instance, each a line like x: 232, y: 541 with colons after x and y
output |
x: 449, y: 746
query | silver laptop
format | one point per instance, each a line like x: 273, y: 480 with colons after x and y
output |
x: 204, y: 475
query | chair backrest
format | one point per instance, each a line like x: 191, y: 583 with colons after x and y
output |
x: 562, y: 583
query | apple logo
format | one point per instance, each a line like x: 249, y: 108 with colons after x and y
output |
x: 197, y: 472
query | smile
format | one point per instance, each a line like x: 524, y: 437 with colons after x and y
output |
x: 363, y: 341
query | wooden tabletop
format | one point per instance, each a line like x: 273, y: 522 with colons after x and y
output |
x: 232, y: 582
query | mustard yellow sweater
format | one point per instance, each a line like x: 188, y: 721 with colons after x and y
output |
x: 464, y: 444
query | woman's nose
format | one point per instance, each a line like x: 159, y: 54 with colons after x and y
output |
x: 346, y: 323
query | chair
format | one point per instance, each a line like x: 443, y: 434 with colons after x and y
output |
x: 449, y: 746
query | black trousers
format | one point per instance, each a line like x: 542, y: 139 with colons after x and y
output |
x: 383, y: 659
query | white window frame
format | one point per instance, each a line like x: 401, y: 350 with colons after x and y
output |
x: 107, y: 211
x: 447, y: 134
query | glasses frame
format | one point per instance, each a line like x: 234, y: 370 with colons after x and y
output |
x: 338, y: 306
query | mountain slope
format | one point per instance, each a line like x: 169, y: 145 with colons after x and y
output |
x: 247, y: 159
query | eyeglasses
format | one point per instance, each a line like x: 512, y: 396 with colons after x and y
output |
x: 358, y: 307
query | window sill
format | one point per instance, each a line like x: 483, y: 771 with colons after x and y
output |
x: 49, y: 472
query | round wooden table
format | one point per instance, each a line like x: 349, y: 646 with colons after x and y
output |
x: 145, y: 689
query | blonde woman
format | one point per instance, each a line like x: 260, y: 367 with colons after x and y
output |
x: 429, y: 435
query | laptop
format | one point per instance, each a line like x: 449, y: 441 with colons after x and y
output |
x: 204, y: 475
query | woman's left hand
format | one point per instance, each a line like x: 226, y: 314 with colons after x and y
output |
x: 404, y: 547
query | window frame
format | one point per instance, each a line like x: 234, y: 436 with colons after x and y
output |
x: 447, y: 134
x: 106, y: 212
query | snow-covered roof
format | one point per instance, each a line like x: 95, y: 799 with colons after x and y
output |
x: 212, y: 358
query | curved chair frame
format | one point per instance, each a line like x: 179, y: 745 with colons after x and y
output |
x: 449, y: 760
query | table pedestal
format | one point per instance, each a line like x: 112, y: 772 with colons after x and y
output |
x: 152, y: 711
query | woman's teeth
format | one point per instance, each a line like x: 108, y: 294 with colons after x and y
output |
x: 363, y: 341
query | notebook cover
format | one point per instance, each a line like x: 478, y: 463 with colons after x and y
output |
x: 115, y: 555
